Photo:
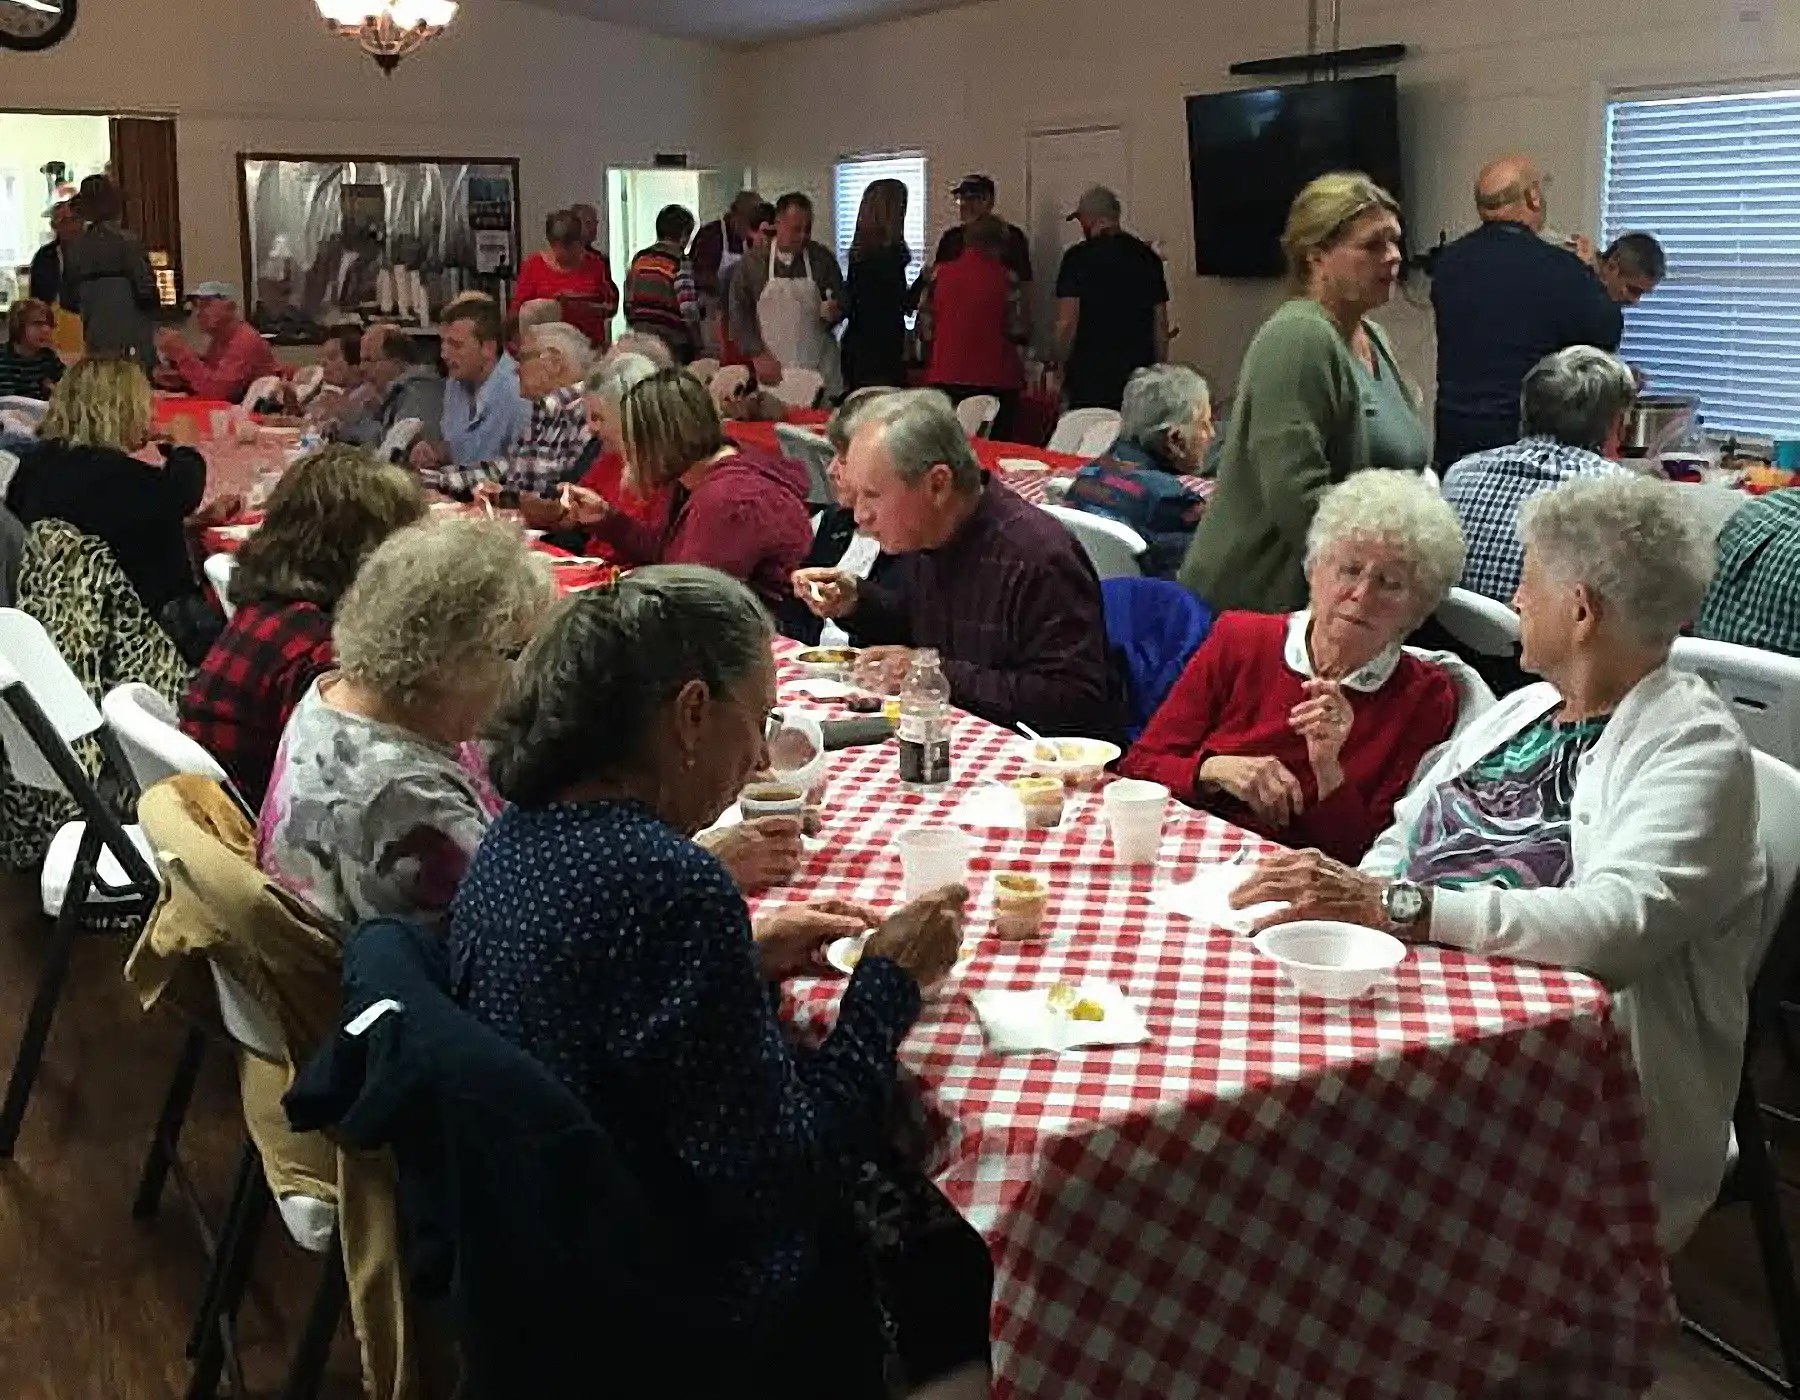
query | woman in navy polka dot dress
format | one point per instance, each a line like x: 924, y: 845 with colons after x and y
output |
x: 593, y: 933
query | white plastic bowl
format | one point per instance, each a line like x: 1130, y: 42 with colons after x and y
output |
x: 1085, y: 759
x: 1324, y: 958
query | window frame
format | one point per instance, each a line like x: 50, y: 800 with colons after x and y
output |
x: 1716, y: 295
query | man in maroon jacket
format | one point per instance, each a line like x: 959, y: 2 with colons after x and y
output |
x: 995, y: 585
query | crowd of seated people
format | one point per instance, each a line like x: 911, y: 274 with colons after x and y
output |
x: 428, y: 735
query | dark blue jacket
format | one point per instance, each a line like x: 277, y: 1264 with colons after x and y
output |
x: 1132, y: 487
x: 1504, y: 299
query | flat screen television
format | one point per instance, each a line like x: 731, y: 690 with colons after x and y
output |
x: 1250, y: 152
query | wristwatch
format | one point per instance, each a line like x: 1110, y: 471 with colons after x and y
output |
x: 1403, y: 902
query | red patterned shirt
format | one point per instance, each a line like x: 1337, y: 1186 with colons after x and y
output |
x: 240, y: 699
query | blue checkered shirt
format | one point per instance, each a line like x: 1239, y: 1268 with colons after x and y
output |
x: 1755, y: 596
x: 544, y: 458
x: 1486, y: 491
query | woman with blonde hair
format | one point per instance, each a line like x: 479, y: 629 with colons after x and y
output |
x: 330, y: 511
x: 83, y: 471
x: 740, y: 512
x: 875, y: 291
x: 369, y: 812
x: 1319, y: 397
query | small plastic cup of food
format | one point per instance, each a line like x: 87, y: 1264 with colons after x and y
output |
x: 1020, y: 899
x: 1042, y: 799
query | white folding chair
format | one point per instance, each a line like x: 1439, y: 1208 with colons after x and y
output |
x: 259, y: 390
x: 1112, y: 548
x: 1079, y: 428
x: 815, y: 450
x: 1761, y: 687
x: 96, y: 866
x: 154, y: 748
x: 977, y: 414
x: 1751, y: 1177
x: 729, y: 382
x: 401, y: 436
x: 1479, y: 623
x: 9, y: 466
x: 703, y: 370
x: 25, y: 407
x: 799, y: 388
x: 218, y: 569
x: 308, y: 380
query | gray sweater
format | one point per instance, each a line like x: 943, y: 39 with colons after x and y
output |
x: 751, y: 275
x: 106, y: 278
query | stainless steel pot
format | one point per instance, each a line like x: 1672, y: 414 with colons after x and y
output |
x: 1656, y: 421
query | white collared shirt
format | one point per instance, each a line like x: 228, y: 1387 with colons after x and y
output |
x: 1369, y: 679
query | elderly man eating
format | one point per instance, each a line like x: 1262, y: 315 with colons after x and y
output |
x: 1604, y: 820
x: 404, y: 386
x: 236, y: 355
x: 552, y: 362
x: 996, y: 586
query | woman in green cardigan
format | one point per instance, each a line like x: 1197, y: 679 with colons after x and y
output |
x: 1319, y: 397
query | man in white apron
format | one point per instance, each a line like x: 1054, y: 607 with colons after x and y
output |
x: 785, y: 300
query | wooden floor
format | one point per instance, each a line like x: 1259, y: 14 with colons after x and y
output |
x: 94, y: 1306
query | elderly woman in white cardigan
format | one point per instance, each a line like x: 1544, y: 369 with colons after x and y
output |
x: 1604, y: 820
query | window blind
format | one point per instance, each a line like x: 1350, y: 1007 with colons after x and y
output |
x: 853, y: 176
x: 1717, y: 180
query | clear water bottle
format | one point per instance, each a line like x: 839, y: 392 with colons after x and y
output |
x: 924, y: 729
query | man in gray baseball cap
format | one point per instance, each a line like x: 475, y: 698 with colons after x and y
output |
x: 235, y: 357
x: 1112, y: 305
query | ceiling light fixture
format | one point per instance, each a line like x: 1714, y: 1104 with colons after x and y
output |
x: 387, y: 30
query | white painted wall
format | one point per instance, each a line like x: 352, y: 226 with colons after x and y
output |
x: 567, y: 96
x: 27, y: 143
x: 969, y: 86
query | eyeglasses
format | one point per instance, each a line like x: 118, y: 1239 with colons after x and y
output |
x: 1388, y: 584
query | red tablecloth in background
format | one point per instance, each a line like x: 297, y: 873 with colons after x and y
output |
x: 1425, y: 1192
x: 166, y: 408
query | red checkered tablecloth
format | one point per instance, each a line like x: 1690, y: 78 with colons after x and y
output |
x: 1433, y: 1192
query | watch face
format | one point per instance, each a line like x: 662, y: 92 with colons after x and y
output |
x: 1404, y: 902
x: 35, y: 24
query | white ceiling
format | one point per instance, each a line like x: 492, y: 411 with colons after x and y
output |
x: 743, y: 22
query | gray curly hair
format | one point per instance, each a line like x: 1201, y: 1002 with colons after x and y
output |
x: 438, y: 608
x: 1401, y: 509
x: 1632, y: 542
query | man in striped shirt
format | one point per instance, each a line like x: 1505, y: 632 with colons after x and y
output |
x: 552, y: 361
x: 660, y: 299
x: 1572, y: 411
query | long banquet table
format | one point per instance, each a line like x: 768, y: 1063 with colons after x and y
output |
x: 1438, y: 1191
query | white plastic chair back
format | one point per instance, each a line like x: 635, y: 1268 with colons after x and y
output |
x: 1112, y: 548
x: 1080, y: 427
x: 1479, y: 623
x: 26, y: 407
x: 260, y: 389
x: 729, y: 382
x: 149, y: 736
x: 401, y: 436
x: 1778, y: 829
x: 1761, y: 687
x: 9, y: 464
x: 814, y: 449
x: 977, y: 414
x: 799, y: 388
x: 28, y: 657
x: 219, y: 569
x: 703, y: 370
x: 1429, y: 476
x: 308, y: 380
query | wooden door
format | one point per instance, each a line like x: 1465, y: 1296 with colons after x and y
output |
x: 143, y: 167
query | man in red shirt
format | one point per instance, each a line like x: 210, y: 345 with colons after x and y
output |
x: 236, y: 355
x: 570, y: 273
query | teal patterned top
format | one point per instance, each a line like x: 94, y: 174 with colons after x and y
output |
x: 1505, y: 820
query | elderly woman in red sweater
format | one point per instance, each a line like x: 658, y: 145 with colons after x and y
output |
x: 1306, y: 728
x: 742, y: 513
